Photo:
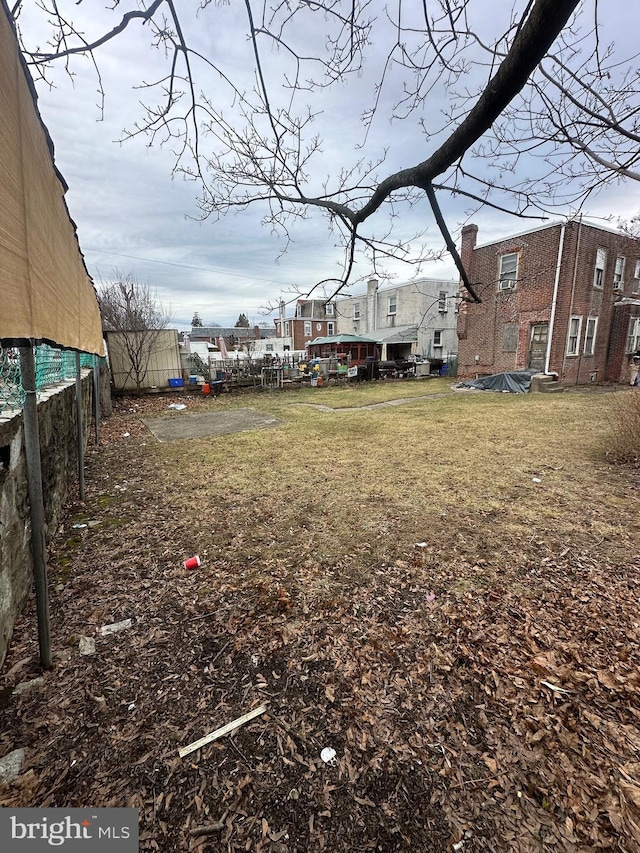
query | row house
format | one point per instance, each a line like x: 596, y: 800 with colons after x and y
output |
x: 412, y: 320
x: 562, y: 299
x: 234, y: 337
x: 308, y: 319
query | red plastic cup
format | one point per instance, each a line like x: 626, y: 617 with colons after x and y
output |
x: 192, y: 562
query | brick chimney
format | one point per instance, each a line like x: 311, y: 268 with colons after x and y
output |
x: 469, y: 235
x: 468, y: 244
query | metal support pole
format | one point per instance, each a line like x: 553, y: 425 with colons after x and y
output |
x: 96, y: 396
x: 36, y: 503
x: 79, y: 428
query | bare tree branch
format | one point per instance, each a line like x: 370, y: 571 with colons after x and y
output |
x: 506, y: 101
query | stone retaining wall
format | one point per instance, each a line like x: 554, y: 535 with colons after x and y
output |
x: 59, y: 455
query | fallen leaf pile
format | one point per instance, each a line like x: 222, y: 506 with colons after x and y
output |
x: 495, y: 716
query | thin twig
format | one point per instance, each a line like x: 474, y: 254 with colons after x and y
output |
x: 209, y: 829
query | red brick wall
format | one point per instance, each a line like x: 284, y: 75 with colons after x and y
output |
x: 480, y: 327
x: 618, y: 362
x: 296, y: 329
x: 300, y: 340
x: 529, y: 302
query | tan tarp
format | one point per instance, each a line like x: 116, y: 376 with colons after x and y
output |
x: 45, y: 290
x: 157, y: 353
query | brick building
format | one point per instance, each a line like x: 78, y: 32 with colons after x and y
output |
x: 563, y: 298
x: 234, y: 336
x: 311, y: 318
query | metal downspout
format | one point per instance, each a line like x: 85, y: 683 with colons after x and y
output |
x: 554, y: 302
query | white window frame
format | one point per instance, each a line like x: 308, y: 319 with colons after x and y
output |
x: 437, y: 338
x: 287, y: 329
x: 636, y: 278
x: 618, y: 273
x: 307, y: 328
x: 633, y: 337
x: 443, y: 301
x: 329, y: 309
x: 505, y: 280
x: 356, y: 310
x: 591, y: 323
x: 392, y: 305
x: 574, y: 349
x: 331, y: 328
x: 598, y: 272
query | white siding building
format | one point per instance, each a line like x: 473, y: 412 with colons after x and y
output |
x: 415, y: 319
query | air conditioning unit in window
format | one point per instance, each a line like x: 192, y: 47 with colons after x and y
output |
x: 507, y: 284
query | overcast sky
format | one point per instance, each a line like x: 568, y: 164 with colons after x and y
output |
x: 133, y: 217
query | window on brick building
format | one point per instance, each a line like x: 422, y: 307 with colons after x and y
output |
x: 618, y: 274
x: 590, y: 335
x: 356, y: 310
x: 636, y: 278
x: 573, y: 338
x: 331, y: 328
x: 287, y: 329
x: 307, y: 328
x: 508, y: 271
x: 598, y: 274
x: 510, y: 337
x: 329, y: 309
x: 633, y: 338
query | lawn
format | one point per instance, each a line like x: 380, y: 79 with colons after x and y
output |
x: 443, y: 591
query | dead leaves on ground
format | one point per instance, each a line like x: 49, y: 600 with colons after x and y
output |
x: 469, y: 708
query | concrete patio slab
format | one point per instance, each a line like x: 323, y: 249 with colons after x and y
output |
x: 184, y: 426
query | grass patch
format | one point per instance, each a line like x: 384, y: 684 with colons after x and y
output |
x: 371, y: 393
x: 344, y: 491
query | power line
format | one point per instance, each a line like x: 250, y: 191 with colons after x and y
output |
x: 182, y: 266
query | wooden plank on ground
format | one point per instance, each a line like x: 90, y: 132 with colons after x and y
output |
x: 229, y: 727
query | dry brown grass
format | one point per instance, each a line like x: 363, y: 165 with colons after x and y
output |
x: 395, y: 583
x: 623, y: 439
x: 349, y: 489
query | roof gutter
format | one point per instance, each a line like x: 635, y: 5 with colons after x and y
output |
x: 554, y: 302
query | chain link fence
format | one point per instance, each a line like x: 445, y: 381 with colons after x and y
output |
x: 52, y: 366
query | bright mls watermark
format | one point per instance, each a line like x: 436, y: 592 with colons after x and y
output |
x: 79, y: 830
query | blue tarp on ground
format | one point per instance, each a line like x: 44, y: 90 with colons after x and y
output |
x: 516, y: 382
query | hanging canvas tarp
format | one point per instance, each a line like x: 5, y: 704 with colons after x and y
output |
x: 47, y: 294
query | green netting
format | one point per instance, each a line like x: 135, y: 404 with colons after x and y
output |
x: 11, y: 393
x: 52, y: 366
